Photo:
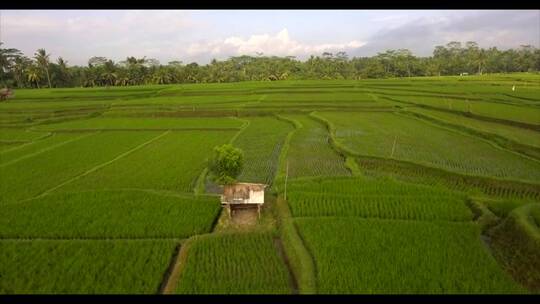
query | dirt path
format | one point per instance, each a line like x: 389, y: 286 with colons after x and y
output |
x: 292, y: 279
x: 244, y: 217
x: 171, y: 275
x: 178, y: 261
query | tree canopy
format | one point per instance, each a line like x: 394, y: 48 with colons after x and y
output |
x: 454, y: 58
x: 226, y: 164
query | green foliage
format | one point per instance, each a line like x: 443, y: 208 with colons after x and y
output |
x: 389, y: 256
x: 83, y: 267
x: 451, y: 59
x: 109, y: 214
x: 242, y: 263
x: 226, y: 164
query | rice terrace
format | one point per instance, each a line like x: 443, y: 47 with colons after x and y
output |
x: 398, y: 184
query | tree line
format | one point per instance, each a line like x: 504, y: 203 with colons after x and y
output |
x: 454, y: 58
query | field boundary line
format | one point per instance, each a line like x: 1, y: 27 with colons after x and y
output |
x: 293, y: 284
x: 284, y: 149
x: 244, y: 126
x: 332, y: 142
x: 141, y: 129
x: 45, y: 149
x: 507, y: 122
x: 462, y: 133
x: 66, y: 239
x: 302, y: 265
x: 350, y: 152
x: 434, y: 220
x: 470, y: 132
x: 147, y: 190
x: 178, y: 262
x: 103, y: 164
x: 27, y: 143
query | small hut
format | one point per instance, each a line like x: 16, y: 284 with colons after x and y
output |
x: 5, y: 94
x: 243, y: 195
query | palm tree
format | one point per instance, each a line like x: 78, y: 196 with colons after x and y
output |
x: 33, y: 75
x: 481, y: 59
x: 42, y: 59
x: 161, y: 76
x: 109, y: 77
x: 63, y: 71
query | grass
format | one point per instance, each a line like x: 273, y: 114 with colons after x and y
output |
x: 374, y: 198
x: 243, y: 263
x: 83, y: 267
x: 109, y: 214
x: 261, y: 143
x: 399, y: 137
x: 391, y: 257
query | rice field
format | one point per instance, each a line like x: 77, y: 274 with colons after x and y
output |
x: 83, y: 267
x: 109, y: 215
x: 29, y: 149
x: 172, y: 162
x: 520, y: 135
x: 245, y: 263
x: 42, y: 172
x: 309, y: 153
x: 107, y: 123
x: 262, y: 141
x: 400, y: 137
x: 18, y: 135
x: 513, y: 112
x: 401, y: 257
x: 385, y: 199
x: 389, y: 184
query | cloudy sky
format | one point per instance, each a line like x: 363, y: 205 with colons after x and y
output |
x: 200, y: 35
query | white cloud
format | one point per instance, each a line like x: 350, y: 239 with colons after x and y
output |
x: 280, y: 44
x: 111, y: 34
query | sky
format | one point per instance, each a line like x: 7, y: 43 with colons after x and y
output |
x: 201, y: 35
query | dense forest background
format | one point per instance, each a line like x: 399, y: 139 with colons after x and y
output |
x: 455, y: 58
